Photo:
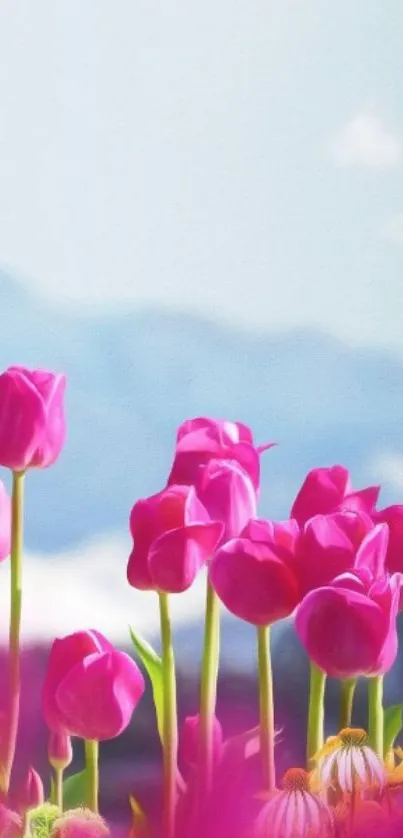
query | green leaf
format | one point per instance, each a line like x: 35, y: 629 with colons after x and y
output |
x: 392, y: 725
x: 153, y: 665
x: 74, y: 790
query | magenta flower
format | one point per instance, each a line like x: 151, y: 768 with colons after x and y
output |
x: 5, y: 523
x: 79, y: 823
x: 60, y: 751
x: 348, y: 627
x: 189, y: 740
x: 90, y: 689
x: 393, y: 517
x: 200, y: 440
x: 327, y: 490
x: 10, y: 823
x: 31, y: 793
x: 227, y: 493
x: 255, y: 575
x: 328, y: 546
x: 173, y: 538
x: 32, y: 422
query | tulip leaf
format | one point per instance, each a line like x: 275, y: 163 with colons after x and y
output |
x: 392, y: 725
x: 153, y: 665
x: 74, y: 790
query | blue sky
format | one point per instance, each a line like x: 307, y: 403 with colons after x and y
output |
x: 239, y: 159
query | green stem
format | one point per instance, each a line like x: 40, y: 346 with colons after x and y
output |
x: 208, y: 689
x: 375, y: 714
x: 91, y: 747
x: 170, y: 722
x: 347, y: 700
x: 17, y: 522
x: 316, y: 712
x: 266, y: 709
x: 58, y: 779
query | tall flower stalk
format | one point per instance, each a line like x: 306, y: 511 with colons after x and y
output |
x: 266, y: 708
x: 208, y: 689
x: 91, y: 748
x: 170, y: 722
x: 347, y: 700
x: 375, y: 714
x: 316, y: 712
x: 14, y: 685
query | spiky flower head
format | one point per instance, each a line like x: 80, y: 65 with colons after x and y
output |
x: 79, y: 823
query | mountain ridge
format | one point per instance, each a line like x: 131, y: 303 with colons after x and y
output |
x: 133, y: 377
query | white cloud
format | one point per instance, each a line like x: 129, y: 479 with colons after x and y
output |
x: 394, y: 229
x: 87, y: 588
x: 366, y: 143
x: 387, y: 467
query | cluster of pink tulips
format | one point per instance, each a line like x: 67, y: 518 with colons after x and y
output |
x: 335, y: 567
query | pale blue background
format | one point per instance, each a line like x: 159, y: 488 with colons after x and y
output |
x: 200, y: 212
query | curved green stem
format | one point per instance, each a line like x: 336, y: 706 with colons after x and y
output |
x: 91, y: 747
x: 266, y: 709
x: 170, y: 722
x: 347, y: 700
x: 316, y: 712
x: 208, y: 688
x: 17, y: 527
x: 375, y: 714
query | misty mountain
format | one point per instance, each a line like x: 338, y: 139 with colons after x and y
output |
x: 134, y: 376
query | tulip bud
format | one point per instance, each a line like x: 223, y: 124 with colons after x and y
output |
x: 79, y: 823
x: 60, y: 751
x: 189, y: 740
x: 31, y: 793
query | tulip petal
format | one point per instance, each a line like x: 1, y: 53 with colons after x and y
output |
x: 99, y: 694
x: 65, y: 653
x: 343, y: 631
x: 373, y: 550
x: 321, y: 492
x: 253, y: 583
x: 176, y: 557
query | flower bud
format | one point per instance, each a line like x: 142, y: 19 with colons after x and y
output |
x: 189, y: 740
x: 31, y: 793
x: 60, y: 751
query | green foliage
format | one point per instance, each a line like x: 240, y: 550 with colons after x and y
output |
x: 74, y: 790
x: 153, y: 665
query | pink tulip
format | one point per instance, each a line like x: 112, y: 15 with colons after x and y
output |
x: 393, y: 517
x: 5, y: 523
x: 348, y: 627
x: 90, y: 689
x: 60, y: 751
x: 227, y: 493
x: 173, y: 538
x: 327, y: 490
x: 32, y: 422
x: 10, y: 823
x: 200, y: 440
x: 31, y: 793
x: 189, y: 740
x: 328, y: 546
x: 255, y: 576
